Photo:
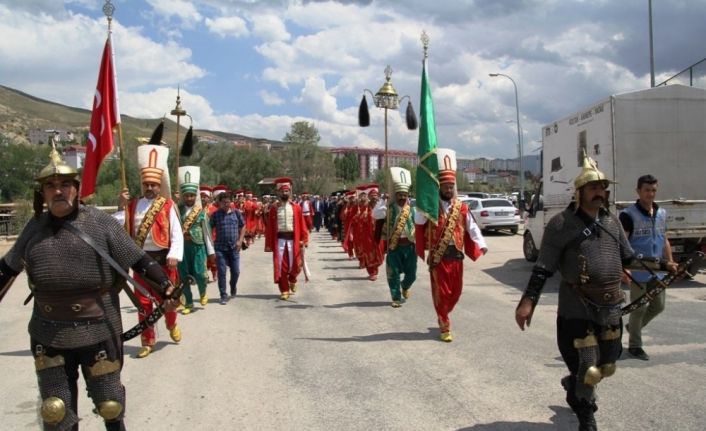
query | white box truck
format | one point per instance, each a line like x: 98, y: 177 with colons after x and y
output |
x: 659, y: 131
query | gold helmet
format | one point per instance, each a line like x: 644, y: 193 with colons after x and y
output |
x: 56, y: 167
x: 589, y: 174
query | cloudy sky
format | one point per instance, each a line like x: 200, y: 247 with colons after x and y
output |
x: 254, y: 67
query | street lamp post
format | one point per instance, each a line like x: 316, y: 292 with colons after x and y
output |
x: 386, y: 98
x: 521, y: 200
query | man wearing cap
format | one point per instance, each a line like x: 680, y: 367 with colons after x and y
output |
x: 307, y: 211
x: 588, y: 246
x: 395, y: 225
x: 206, y: 194
x: 367, y: 248
x: 249, y: 210
x: 76, y: 320
x: 198, y: 246
x: 259, y: 216
x: 285, y: 236
x: 152, y: 221
x: 456, y: 233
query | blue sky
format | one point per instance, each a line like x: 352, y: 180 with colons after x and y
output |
x: 255, y: 67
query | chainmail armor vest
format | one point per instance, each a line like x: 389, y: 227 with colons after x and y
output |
x: 599, y: 257
x: 58, y: 262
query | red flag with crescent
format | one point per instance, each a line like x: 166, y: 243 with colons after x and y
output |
x: 104, y: 118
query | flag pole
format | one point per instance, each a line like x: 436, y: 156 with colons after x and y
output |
x: 108, y: 10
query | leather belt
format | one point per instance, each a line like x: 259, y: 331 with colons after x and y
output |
x: 70, y: 305
x: 285, y: 235
x: 606, y: 294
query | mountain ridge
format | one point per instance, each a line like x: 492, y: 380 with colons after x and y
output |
x: 21, y: 112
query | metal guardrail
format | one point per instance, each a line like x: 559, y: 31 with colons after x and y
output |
x: 8, y: 212
x: 693, y: 76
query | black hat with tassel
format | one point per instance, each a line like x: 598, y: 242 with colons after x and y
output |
x: 187, y: 147
x: 156, y: 138
x: 411, y: 117
x: 363, y: 113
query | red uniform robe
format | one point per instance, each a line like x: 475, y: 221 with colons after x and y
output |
x: 301, y: 235
x: 447, y: 276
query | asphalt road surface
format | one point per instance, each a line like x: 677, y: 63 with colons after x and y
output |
x: 336, y: 356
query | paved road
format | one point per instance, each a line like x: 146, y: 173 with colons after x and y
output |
x: 337, y: 356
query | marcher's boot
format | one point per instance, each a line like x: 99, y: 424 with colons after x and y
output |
x: 584, y: 413
x: 582, y: 408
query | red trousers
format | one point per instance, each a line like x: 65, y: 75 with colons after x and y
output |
x: 446, y: 286
x: 148, y: 336
x: 286, y: 276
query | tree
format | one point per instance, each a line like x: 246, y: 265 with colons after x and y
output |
x: 308, y: 165
x: 347, y: 167
x: 19, y: 166
x: 302, y: 132
x: 223, y: 163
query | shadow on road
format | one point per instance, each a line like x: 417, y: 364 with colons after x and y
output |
x: 507, y: 274
x: 159, y: 345
x: 430, y: 335
x: 359, y: 304
x: 259, y: 296
x: 339, y: 259
x: 347, y: 278
x: 25, y: 352
x: 688, y: 283
x: 330, y: 252
x: 563, y: 419
x: 288, y: 304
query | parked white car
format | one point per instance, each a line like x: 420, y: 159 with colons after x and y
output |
x: 494, y: 214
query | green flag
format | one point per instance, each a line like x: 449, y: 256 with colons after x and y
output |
x: 427, y: 184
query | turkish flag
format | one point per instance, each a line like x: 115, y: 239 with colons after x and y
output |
x: 104, y: 118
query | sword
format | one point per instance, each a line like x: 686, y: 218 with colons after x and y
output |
x: 158, y: 311
x: 307, y: 273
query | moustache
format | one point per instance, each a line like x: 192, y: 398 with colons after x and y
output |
x: 598, y: 198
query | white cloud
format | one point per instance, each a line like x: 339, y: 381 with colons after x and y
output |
x: 270, y: 28
x: 271, y: 98
x: 227, y: 26
x: 182, y: 9
x: 68, y: 50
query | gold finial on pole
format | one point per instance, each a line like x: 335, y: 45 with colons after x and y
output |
x: 179, y: 112
x: 425, y: 43
x: 108, y: 10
